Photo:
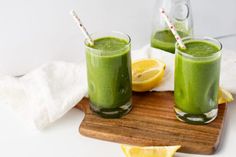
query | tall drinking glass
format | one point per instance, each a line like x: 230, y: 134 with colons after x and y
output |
x: 109, y: 74
x: 197, y: 74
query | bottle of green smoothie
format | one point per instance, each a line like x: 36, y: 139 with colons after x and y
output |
x: 180, y: 14
x: 109, y: 74
x: 197, y: 74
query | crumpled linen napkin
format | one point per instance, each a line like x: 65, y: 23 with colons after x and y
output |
x: 47, y: 93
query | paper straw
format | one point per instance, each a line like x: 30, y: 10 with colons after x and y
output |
x: 172, y: 28
x: 81, y: 26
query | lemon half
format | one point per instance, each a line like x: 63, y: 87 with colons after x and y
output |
x: 224, y: 96
x: 147, y: 74
x: 154, y: 151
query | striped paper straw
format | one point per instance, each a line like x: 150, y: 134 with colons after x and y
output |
x: 172, y: 28
x: 82, y: 28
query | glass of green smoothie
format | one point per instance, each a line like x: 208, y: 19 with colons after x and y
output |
x: 197, y: 74
x: 109, y: 74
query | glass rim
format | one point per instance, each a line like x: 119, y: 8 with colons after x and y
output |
x: 197, y: 38
x: 126, y: 37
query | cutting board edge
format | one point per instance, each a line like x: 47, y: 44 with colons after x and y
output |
x: 87, y: 133
x: 83, y: 106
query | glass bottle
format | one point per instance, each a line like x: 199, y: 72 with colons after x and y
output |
x: 180, y: 13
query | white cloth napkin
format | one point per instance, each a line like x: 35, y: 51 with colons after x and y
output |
x: 47, y: 93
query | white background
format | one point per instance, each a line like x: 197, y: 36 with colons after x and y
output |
x: 33, y: 32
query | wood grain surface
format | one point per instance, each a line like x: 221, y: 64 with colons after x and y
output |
x: 152, y: 122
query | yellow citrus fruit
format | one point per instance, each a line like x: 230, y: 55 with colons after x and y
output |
x: 224, y: 96
x: 154, y: 151
x: 147, y: 74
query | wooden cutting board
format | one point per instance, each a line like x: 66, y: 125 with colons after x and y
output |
x: 152, y: 122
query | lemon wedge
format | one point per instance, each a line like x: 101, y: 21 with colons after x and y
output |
x: 162, y: 151
x: 147, y: 74
x: 224, y: 96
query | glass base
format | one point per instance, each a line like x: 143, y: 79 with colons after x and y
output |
x: 112, y: 113
x: 204, y: 118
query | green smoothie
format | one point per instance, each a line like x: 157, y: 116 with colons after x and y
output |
x: 197, y: 72
x: 165, y: 40
x: 109, y: 76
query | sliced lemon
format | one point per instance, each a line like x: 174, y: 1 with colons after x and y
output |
x: 162, y: 151
x: 147, y: 74
x: 224, y: 96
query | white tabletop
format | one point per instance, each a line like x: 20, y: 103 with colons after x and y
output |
x: 34, y: 32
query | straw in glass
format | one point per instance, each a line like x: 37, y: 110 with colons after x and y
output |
x: 172, y: 28
x: 82, y: 28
